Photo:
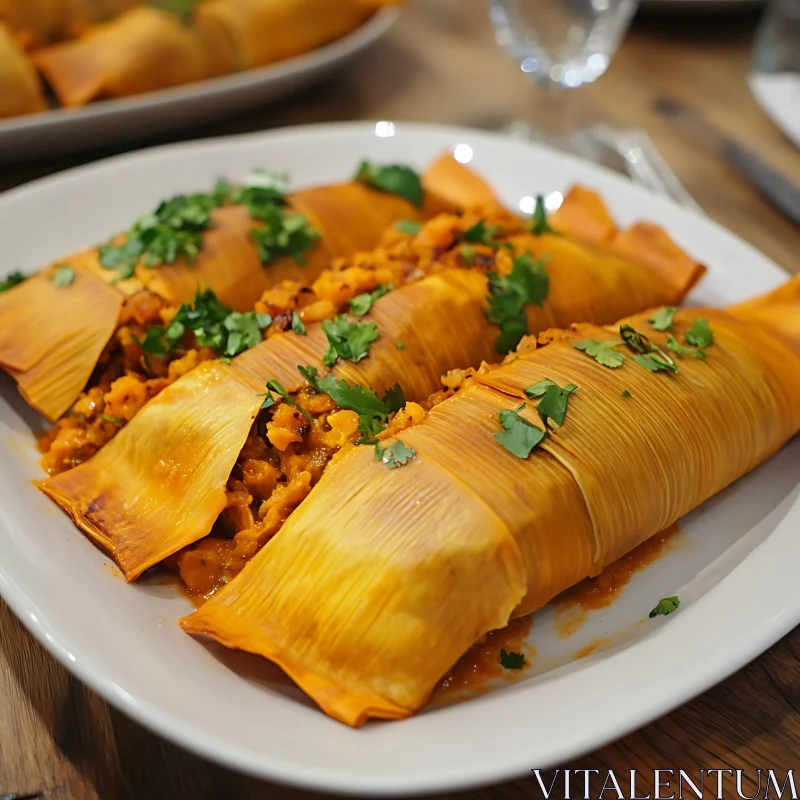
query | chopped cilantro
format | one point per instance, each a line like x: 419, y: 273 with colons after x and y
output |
x: 399, y: 345
x: 396, y: 455
x: 63, y: 276
x: 646, y: 354
x: 356, y: 397
x: 409, y: 226
x: 553, y: 404
x: 395, y: 179
x: 260, y: 193
x: 113, y: 420
x: 362, y: 303
x: 512, y: 660
x: 347, y: 340
x: 655, y: 363
x: 481, y: 233
x: 700, y: 334
x: 14, y: 279
x: 214, y: 325
x: 269, y: 401
x: 677, y: 348
x: 174, y: 230
x: 539, y: 223
x: 626, y: 393
x: 519, y: 436
x: 467, y: 254
x: 298, y: 326
x: 527, y: 284
x: 602, y: 352
x: 394, y: 399
x: 662, y: 319
x: 284, y: 233
x: 665, y: 606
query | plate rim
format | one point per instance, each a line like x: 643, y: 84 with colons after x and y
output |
x: 712, y: 669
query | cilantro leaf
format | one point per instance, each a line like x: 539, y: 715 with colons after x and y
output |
x: 467, y: 254
x: 347, y: 340
x: 394, y: 179
x: 14, y: 279
x: 646, y: 354
x: 261, y: 192
x: 274, y: 386
x: 399, y: 345
x: 539, y: 388
x: 677, y: 348
x: 553, y: 404
x: 526, y: 284
x: 396, y: 455
x: 394, y: 399
x: 244, y: 331
x: 520, y: 436
x: 362, y: 303
x: 409, y: 226
x: 539, y: 223
x: 700, y: 334
x: 298, y: 326
x: 665, y: 606
x: 626, y: 393
x: 481, y: 233
x: 602, y: 352
x: 354, y: 397
x: 512, y: 660
x: 662, y: 318
x: 654, y: 363
x: 113, y: 420
x: 284, y: 233
x: 63, y: 276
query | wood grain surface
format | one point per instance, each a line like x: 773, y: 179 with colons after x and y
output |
x: 60, y: 741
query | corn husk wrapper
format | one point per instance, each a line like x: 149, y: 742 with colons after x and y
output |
x: 60, y: 335
x: 51, y: 337
x: 365, y: 598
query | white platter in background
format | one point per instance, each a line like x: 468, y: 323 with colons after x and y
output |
x: 778, y: 94
x: 64, y: 130
x: 738, y: 551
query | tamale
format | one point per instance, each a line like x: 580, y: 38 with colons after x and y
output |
x: 140, y: 51
x: 348, y: 217
x: 262, y: 33
x: 382, y: 579
x: 20, y: 88
x: 439, y: 319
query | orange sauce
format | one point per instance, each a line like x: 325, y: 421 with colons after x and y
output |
x: 481, y: 663
x: 597, y: 644
x: 601, y: 591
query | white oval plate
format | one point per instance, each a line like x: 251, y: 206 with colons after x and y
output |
x: 107, y: 122
x: 699, y: 5
x: 733, y: 566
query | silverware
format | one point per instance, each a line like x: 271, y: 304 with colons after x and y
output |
x: 643, y: 163
x: 779, y: 191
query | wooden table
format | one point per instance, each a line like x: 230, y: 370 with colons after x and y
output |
x: 59, y: 740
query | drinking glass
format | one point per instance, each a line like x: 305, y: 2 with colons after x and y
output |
x: 560, y: 45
